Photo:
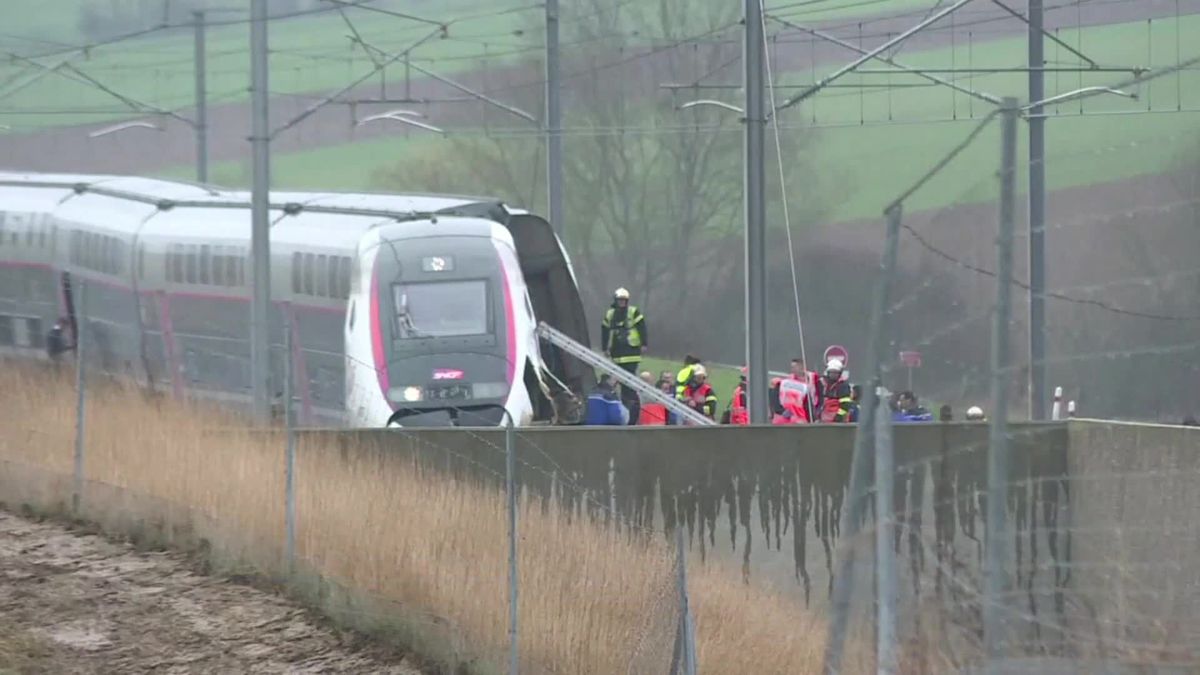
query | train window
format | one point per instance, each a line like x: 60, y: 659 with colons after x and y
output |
x: 308, y: 273
x: 42, y: 236
x: 231, y: 270
x: 191, y: 265
x: 218, y: 266
x: 356, y: 275
x: 205, y: 264
x: 320, y: 282
x: 334, y: 291
x: 241, y: 269
x: 296, y: 272
x: 344, y: 278
x: 441, y: 308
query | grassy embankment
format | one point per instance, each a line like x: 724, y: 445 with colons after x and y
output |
x: 430, y: 549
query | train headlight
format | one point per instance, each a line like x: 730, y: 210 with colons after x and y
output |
x: 489, y: 389
x: 407, y: 394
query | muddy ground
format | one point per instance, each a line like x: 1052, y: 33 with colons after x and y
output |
x: 72, y: 602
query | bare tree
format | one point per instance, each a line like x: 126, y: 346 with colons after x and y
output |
x: 652, y: 192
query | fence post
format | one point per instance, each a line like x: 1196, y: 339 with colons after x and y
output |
x: 860, y: 467
x: 80, y: 399
x: 290, y: 452
x: 998, y: 542
x: 885, y: 554
x: 510, y: 462
x: 683, y: 660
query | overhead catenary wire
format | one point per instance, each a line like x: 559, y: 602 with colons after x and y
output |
x: 929, y: 246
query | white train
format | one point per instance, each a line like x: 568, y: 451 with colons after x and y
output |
x: 408, y: 309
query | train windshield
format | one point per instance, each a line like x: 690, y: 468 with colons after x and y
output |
x: 441, y: 309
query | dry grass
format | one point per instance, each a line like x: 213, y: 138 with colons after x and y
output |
x: 431, y: 548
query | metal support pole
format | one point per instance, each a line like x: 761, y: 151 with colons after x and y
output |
x: 1037, y: 216
x: 860, y: 464
x: 998, y: 541
x: 201, y: 70
x: 554, y: 154
x: 290, y: 452
x: 885, y: 554
x: 755, y: 205
x: 510, y: 483
x: 80, y: 399
x: 683, y: 661
x: 260, y: 348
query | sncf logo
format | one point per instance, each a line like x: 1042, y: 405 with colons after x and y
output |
x: 447, y: 374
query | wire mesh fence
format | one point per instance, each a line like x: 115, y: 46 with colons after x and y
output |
x: 402, y: 534
x: 1028, y: 548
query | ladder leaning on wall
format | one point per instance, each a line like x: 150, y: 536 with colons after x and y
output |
x: 627, y: 379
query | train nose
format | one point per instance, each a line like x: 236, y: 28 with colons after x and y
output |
x: 490, y: 415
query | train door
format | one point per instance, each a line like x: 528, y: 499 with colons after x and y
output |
x: 68, y: 306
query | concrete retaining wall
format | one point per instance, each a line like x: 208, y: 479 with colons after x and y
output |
x: 767, y: 501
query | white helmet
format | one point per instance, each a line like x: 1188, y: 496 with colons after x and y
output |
x: 698, y: 370
x: 974, y: 413
x: 621, y: 294
x: 835, y: 365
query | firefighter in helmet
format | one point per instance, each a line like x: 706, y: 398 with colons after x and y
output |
x: 623, y: 332
x: 837, y: 397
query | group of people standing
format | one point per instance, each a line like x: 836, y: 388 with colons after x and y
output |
x: 801, y: 397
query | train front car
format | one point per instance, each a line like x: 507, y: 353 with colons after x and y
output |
x: 439, y: 330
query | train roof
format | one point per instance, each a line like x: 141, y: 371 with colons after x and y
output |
x: 173, y: 194
x: 443, y: 226
x: 162, y: 209
x: 133, y: 186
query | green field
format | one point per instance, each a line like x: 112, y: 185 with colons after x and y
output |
x: 311, y: 53
x: 869, y: 147
x: 885, y: 144
x: 349, y: 166
x: 308, y: 54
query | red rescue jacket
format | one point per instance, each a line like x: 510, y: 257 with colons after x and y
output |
x: 796, y: 400
x: 835, y: 401
x: 738, y: 413
x: 653, y: 414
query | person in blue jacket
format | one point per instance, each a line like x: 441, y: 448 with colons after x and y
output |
x: 604, y: 406
x: 908, y: 410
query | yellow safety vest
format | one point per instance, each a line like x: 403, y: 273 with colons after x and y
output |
x: 633, y: 336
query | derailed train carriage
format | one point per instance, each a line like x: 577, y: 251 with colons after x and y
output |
x: 412, y: 308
